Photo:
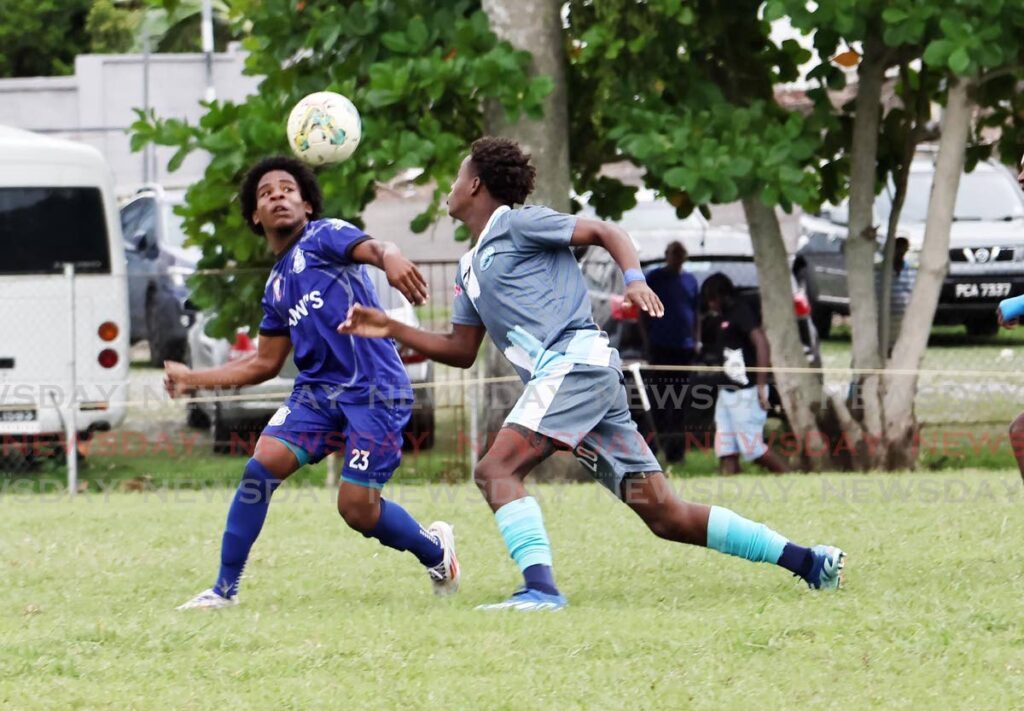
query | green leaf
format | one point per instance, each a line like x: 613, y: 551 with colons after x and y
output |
x: 959, y: 60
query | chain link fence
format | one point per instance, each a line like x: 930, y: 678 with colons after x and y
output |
x: 129, y: 430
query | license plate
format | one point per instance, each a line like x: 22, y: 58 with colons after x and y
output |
x: 17, y: 415
x: 983, y: 290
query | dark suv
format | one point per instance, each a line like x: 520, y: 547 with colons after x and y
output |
x: 158, y: 265
x: 986, y: 247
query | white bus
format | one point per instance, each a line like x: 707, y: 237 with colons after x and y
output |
x: 57, y: 208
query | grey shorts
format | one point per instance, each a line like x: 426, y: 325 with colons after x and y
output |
x: 585, y: 408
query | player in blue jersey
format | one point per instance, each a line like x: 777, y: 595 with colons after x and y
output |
x: 521, y: 284
x: 351, y: 393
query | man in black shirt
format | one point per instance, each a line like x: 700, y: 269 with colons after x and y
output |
x: 742, y: 406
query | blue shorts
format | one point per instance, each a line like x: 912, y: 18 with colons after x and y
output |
x: 586, y: 409
x: 370, y: 434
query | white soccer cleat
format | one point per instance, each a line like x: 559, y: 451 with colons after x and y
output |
x: 445, y: 575
x: 209, y: 600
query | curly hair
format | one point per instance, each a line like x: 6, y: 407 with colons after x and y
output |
x: 503, y: 168
x: 308, y: 186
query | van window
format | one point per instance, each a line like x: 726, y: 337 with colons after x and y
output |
x: 41, y: 228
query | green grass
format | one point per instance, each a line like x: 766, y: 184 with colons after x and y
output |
x: 955, y: 396
x: 930, y: 615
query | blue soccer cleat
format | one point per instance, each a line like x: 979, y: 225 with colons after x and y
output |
x: 526, y: 600
x: 827, y: 571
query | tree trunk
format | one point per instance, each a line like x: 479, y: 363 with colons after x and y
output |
x: 861, y: 245
x: 534, y: 26
x: 801, y: 392
x: 900, y: 422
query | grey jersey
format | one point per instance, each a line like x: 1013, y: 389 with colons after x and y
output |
x: 521, y: 281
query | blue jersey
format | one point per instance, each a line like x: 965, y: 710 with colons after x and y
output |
x: 522, y: 282
x: 308, y: 295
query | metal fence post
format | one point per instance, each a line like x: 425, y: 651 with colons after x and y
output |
x: 70, y: 423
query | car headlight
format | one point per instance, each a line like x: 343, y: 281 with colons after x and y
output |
x: 178, y: 275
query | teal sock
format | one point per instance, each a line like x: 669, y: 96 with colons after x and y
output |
x: 732, y: 534
x: 522, y: 526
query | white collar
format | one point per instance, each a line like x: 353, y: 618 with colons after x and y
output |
x: 498, y: 212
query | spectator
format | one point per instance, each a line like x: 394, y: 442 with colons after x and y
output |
x: 742, y: 405
x: 902, y: 285
x: 672, y: 340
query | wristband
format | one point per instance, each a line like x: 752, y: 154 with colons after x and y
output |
x: 631, y: 275
x: 1012, y: 308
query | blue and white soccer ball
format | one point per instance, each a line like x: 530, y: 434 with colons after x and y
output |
x: 324, y: 127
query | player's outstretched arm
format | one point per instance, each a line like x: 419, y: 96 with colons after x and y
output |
x: 618, y: 244
x: 458, y: 348
x: 402, y: 274
x: 263, y: 365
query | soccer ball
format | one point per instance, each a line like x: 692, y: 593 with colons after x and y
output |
x: 324, y: 128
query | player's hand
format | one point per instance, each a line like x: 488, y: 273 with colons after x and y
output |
x: 404, y: 276
x: 366, y: 322
x: 762, y: 398
x: 640, y: 294
x: 175, y: 375
x: 1012, y: 323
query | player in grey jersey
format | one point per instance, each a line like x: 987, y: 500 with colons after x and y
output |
x: 520, y: 283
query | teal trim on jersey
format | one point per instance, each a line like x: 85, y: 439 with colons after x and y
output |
x: 300, y: 454
x: 363, y: 482
x: 522, y: 526
x: 732, y: 534
x: 582, y: 349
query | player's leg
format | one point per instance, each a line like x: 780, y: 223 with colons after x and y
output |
x: 618, y: 457
x: 1017, y: 441
x: 516, y: 451
x: 272, y: 462
x: 373, y: 451
x: 556, y: 409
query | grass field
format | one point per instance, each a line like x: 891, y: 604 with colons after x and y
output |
x: 930, y: 615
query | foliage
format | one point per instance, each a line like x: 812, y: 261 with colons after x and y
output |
x: 111, y: 28
x: 41, y: 37
x: 978, y: 40
x: 686, y: 92
x: 421, y: 80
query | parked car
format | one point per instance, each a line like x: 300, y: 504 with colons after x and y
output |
x: 653, y: 224
x: 986, y: 247
x: 251, y: 412
x: 158, y: 265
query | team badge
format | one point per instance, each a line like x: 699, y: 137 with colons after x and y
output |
x: 278, y: 281
x: 280, y: 416
x: 486, y: 259
x: 299, y: 262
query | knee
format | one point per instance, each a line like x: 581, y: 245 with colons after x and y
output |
x: 359, y: 516
x: 486, y: 473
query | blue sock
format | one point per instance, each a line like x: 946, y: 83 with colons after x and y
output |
x: 522, y: 526
x: 541, y: 577
x: 732, y: 534
x: 397, y: 529
x: 245, y: 520
x: 797, y: 559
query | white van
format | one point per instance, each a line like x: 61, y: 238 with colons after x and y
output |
x: 57, y: 207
